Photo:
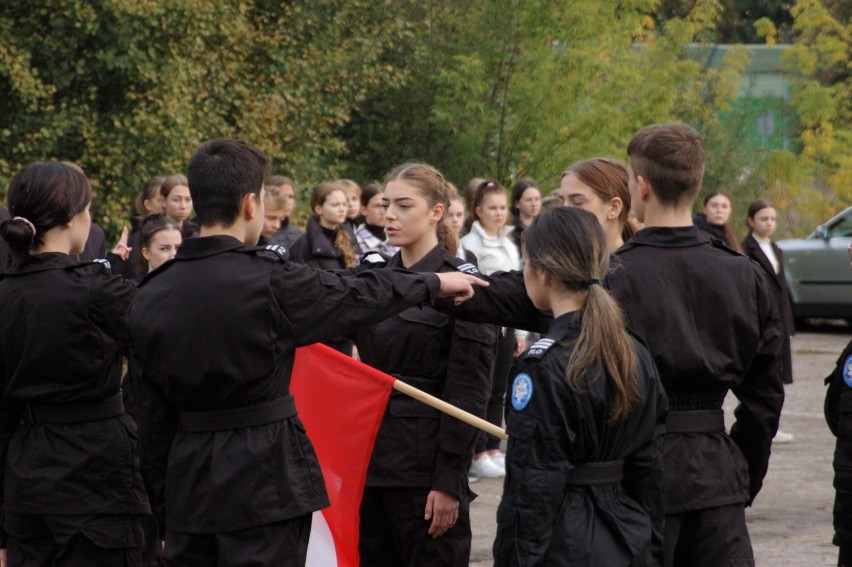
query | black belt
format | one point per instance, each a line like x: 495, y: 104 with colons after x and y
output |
x: 695, y: 421
x: 604, y: 472
x: 238, y: 418
x: 79, y: 412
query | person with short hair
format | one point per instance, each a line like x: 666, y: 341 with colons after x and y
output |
x: 232, y: 474
x: 288, y: 233
x: 709, y: 320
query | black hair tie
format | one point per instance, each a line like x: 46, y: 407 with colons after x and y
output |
x: 582, y: 284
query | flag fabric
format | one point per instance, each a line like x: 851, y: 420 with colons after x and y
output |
x: 341, y: 403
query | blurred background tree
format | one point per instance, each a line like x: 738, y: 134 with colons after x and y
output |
x: 503, y: 88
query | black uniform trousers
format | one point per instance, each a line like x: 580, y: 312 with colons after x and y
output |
x: 504, y: 357
x: 74, y: 540
x: 711, y: 537
x: 412, y: 546
x: 282, y: 544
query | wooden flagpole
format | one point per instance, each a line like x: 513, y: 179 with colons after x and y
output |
x: 449, y: 409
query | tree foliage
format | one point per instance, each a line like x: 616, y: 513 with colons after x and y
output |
x: 503, y: 88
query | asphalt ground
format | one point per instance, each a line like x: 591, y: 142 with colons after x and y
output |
x: 790, y: 521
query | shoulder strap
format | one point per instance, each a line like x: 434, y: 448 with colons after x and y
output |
x: 102, y: 263
x: 539, y: 348
x: 463, y: 266
x: 375, y: 259
x: 278, y: 252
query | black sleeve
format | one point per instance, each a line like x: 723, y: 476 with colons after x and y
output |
x: 834, y: 381
x: 504, y: 302
x: 299, y: 251
x: 761, y: 393
x: 156, y: 422
x: 643, y: 470
x: 322, y: 305
x: 467, y: 387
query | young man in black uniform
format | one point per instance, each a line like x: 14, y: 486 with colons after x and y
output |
x: 838, y: 404
x: 709, y: 321
x: 232, y: 475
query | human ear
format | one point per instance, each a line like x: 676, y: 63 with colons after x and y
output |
x: 616, y: 205
x: 644, y: 187
x: 250, y: 206
x: 437, y: 212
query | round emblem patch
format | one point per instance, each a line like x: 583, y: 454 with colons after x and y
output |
x: 847, y: 371
x: 522, y: 390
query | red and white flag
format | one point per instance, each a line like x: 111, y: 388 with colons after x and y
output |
x: 341, y: 402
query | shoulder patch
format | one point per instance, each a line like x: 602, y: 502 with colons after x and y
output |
x: 847, y: 371
x: 540, y: 347
x: 522, y: 391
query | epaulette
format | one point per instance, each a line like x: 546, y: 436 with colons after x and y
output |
x: 539, y: 348
x: 721, y: 245
x: 280, y: 253
x: 463, y: 266
x: 375, y: 259
x: 102, y: 263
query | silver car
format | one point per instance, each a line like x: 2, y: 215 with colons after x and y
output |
x: 818, y: 273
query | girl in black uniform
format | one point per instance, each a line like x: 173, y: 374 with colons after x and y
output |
x: 72, y: 493
x: 415, y: 509
x: 584, y: 415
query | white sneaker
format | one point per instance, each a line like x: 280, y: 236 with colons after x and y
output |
x: 783, y: 437
x: 484, y: 468
x: 499, y: 459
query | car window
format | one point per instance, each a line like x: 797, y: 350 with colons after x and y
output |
x: 842, y: 229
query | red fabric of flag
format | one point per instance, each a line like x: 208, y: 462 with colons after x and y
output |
x: 341, y: 402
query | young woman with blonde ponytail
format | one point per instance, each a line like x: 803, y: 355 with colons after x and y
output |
x: 584, y: 416
x: 421, y: 457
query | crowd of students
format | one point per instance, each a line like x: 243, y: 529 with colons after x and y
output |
x: 618, y: 450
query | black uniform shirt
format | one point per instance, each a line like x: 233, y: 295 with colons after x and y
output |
x: 417, y: 446
x: 552, y: 429
x: 63, y: 339
x: 217, y: 328
x: 711, y: 324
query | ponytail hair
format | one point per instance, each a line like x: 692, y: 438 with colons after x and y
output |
x: 755, y: 207
x: 41, y: 196
x: 150, y: 190
x: 435, y: 189
x: 569, y: 243
x: 342, y: 242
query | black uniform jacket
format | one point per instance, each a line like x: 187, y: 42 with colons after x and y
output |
x: 315, y: 249
x: 838, y: 415
x: 63, y: 339
x: 217, y: 328
x: 710, y: 323
x: 544, y: 521
x: 778, y: 288
x: 418, y: 446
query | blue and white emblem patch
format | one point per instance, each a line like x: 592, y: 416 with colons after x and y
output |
x: 522, y: 391
x: 847, y: 371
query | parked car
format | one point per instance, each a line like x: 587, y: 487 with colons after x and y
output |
x: 818, y: 273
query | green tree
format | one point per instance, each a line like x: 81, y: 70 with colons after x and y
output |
x: 127, y: 90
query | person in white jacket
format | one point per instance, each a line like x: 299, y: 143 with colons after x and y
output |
x: 489, y: 246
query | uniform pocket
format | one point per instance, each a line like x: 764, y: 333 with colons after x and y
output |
x: 425, y: 316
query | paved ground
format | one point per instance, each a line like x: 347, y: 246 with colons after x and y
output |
x: 790, y: 522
